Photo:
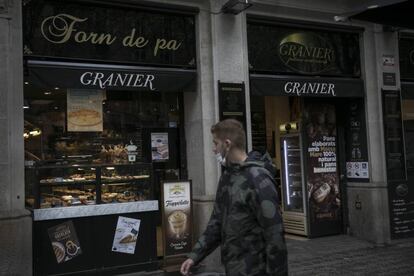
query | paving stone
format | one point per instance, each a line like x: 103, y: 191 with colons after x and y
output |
x: 340, y: 255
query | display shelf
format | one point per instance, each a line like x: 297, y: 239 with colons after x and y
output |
x: 111, y: 183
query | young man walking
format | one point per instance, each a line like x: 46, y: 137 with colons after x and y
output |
x: 246, y: 221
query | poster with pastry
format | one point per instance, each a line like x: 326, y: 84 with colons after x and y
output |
x: 64, y: 241
x: 126, y: 235
x: 84, y: 110
x: 159, y: 146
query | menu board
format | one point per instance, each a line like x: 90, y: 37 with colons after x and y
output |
x: 84, y: 110
x: 64, y: 241
x: 126, y: 234
x: 232, y: 102
x: 357, y: 167
x: 401, y: 197
x: 394, y: 144
x: 322, y: 168
x: 177, y: 217
x: 258, y: 122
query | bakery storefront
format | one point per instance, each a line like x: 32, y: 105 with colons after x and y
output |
x: 103, y: 128
x: 308, y: 112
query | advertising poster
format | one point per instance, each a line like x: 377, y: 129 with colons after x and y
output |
x: 177, y: 217
x: 322, y: 176
x: 126, y: 234
x: 159, y: 146
x: 84, y: 110
x: 64, y: 241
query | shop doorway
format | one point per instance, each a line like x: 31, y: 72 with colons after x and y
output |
x: 308, y: 139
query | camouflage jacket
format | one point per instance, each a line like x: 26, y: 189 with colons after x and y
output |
x: 246, y: 222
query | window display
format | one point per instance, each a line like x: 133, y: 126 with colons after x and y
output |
x: 61, y: 186
x: 74, y: 158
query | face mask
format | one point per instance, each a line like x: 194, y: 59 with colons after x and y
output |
x: 220, y: 159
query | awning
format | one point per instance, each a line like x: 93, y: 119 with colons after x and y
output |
x: 111, y: 77
x: 397, y: 13
x: 281, y: 85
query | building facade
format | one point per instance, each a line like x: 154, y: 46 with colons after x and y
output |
x: 225, y: 59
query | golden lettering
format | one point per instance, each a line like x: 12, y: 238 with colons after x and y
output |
x: 81, y: 37
x: 130, y: 41
x: 102, y: 38
x: 59, y: 28
x: 283, y: 50
x: 162, y: 44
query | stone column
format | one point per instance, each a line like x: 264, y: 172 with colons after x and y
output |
x: 15, y: 220
x: 222, y: 55
x: 371, y: 222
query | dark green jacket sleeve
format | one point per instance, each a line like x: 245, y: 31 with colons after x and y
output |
x: 211, y: 238
x: 265, y: 206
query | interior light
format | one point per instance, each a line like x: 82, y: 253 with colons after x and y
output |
x: 372, y: 7
x: 110, y: 168
x: 35, y: 132
x: 26, y: 82
x: 285, y: 148
x: 47, y: 93
x: 26, y: 135
x: 56, y: 88
x: 291, y: 126
x: 26, y: 107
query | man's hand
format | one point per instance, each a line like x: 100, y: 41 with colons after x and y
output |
x: 185, y: 267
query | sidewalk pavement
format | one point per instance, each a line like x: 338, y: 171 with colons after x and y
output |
x: 336, y: 255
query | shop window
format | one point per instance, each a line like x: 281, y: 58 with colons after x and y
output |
x: 92, y: 129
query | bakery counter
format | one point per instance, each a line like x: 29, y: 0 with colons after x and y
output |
x: 94, y: 210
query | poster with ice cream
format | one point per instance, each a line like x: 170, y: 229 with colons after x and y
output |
x: 159, y: 146
x: 177, y: 224
x: 126, y: 234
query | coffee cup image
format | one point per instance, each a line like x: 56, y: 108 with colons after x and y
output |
x: 178, y: 222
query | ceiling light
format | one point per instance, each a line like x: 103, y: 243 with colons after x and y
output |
x: 26, y: 82
x: 372, y: 7
x: 48, y: 93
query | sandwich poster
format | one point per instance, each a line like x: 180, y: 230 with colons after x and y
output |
x: 159, y: 146
x: 126, y: 234
x: 84, y: 110
x: 64, y: 241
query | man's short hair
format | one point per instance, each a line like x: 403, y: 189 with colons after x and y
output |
x: 230, y: 129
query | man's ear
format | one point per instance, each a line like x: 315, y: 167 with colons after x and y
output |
x: 227, y: 142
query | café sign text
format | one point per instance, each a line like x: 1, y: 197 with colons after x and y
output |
x: 62, y: 28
